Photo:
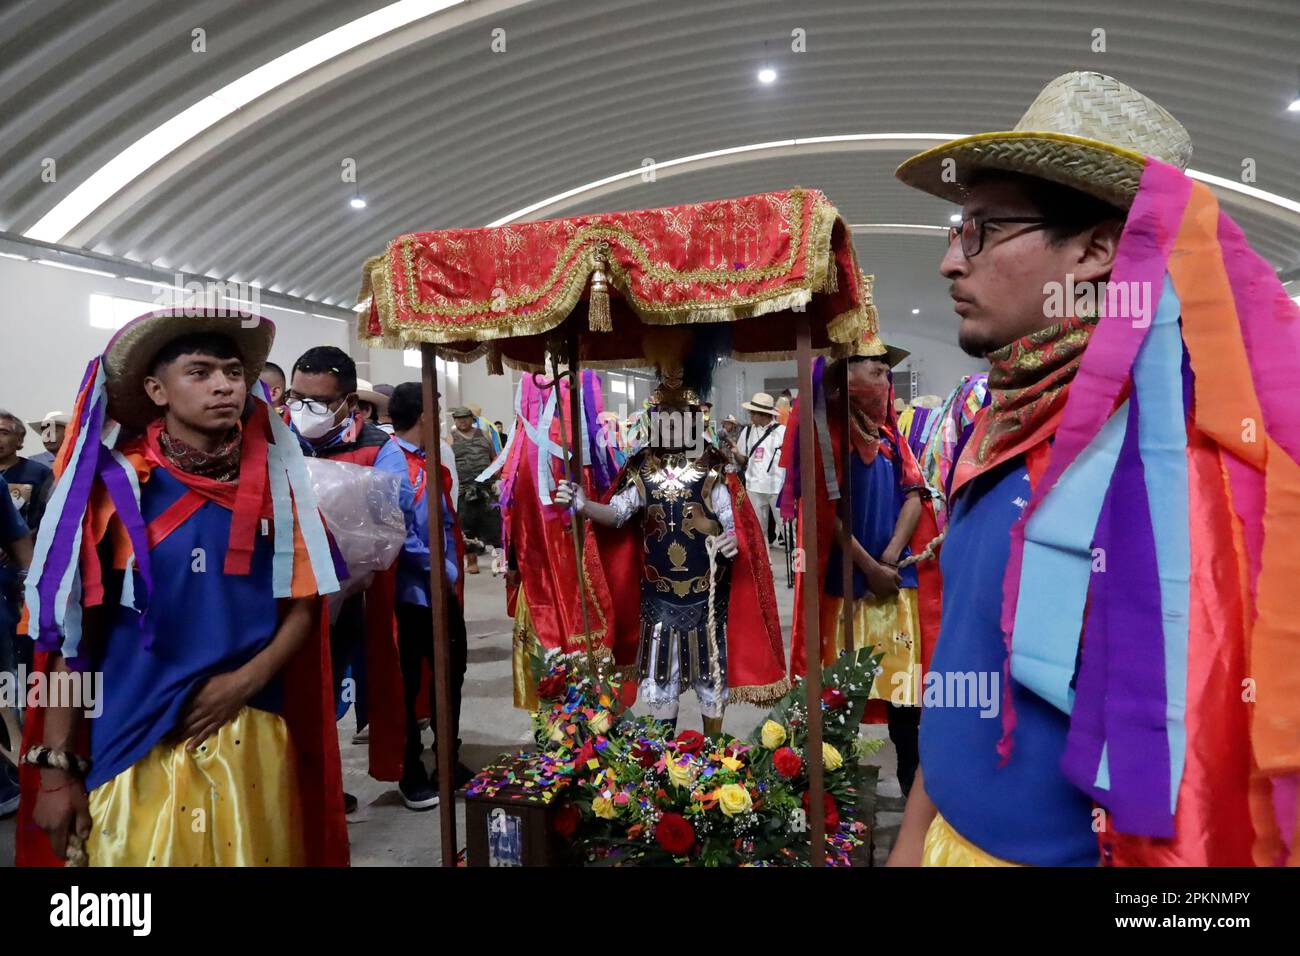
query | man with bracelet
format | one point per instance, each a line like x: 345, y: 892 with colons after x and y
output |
x: 195, y: 610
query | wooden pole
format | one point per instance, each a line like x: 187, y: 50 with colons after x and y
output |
x: 575, y: 475
x: 811, y: 602
x: 846, y: 515
x: 438, y: 604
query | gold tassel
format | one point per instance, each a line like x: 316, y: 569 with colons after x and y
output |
x: 494, y: 366
x: 832, y: 277
x: 598, y: 319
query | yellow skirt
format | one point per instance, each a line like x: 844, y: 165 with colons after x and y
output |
x: 944, y: 846
x: 891, y: 626
x: 523, y: 645
x: 231, y: 802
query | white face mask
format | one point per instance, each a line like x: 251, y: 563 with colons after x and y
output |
x: 311, y: 424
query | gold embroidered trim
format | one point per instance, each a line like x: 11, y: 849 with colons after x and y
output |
x: 761, y: 694
x: 572, y: 270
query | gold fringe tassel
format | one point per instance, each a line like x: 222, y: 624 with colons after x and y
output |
x: 762, y: 693
x: 494, y: 366
x: 598, y: 319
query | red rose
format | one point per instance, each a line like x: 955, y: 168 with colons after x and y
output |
x: 832, y: 811
x: 675, y: 833
x: 588, y: 752
x: 833, y: 699
x: 550, y: 687
x: 689, y: 742
x: 646, y: 756
x: 566, y: 820
x: 787, y: 763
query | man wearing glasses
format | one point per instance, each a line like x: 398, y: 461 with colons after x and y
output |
x: 1121, y: 734
x: 324, y: 412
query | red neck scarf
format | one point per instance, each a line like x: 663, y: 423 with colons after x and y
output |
x: 1029, y: 381
x: 249, y: 497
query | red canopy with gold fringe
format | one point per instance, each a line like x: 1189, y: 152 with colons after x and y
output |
x: 499, y: 290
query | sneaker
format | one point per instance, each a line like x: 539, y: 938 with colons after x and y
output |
x: 349, y: 803
x: 418, y: 794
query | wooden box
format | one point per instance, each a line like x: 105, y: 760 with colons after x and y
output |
x: 509, y: 812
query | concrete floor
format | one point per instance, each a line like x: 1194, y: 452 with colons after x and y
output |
x: 384, y: 833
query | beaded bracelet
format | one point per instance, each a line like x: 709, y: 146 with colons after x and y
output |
x: 48, y: 759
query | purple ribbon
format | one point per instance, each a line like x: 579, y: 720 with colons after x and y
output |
x: 1132, y: 698
x: 128, y: 510
x: 60, y: 555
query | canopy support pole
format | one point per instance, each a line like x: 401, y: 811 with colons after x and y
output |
x: 432, y: 436
x: 811, y: 596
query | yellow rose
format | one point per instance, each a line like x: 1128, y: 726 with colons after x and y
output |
x: 831, y: 758
x: 603, y: 807
x: 680, y: 774
x: 733, y: 799
x: 773, y: 735
x: 600, y: 723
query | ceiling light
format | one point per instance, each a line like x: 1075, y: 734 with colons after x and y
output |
x: 916, y: 311
x: 71, y: 268
x: 955, y: 217
x: 1295, y: 105
x: 767, y: 75
x: 357, y: 203
x: 11, y: 255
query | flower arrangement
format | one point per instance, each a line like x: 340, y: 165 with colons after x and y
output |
x: 637, y: 794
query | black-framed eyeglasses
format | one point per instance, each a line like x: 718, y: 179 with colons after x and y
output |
x: 972, y: 231
x: 297, y: 403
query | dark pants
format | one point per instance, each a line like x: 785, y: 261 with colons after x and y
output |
x: 415, y: 645
x: 905, y: 732
x: 480, y: 517
x: 347, y: 634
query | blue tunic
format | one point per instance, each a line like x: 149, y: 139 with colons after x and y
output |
x: 1025, y: 812
x: 205, y: 622
x: 878, y: 495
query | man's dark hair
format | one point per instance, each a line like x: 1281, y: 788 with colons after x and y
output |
x: 328, y: 358
x: 272, y: 367
x: 1070, y: 210
x: 405, y: 406
x: 212, y: 344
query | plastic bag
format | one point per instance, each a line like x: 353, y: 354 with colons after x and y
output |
x: 359, y: 505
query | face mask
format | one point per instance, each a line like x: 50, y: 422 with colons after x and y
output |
x: 312, y: 424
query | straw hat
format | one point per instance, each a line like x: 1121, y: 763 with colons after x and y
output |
x: 131, y: 351
x: 1085, y: 130
x: 761, y: 402
x: 58, y: 418
x: 873, y: 346
x: 366, y: 393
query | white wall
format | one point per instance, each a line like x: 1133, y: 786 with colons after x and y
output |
x: 46, y: 338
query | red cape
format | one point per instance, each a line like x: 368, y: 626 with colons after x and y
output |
x: 755, y: 651
x: 385, y: 692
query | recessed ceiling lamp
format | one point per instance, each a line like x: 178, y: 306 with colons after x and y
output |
x: 357, y: 203
x: 955, y: 217
x: 767, y: 75
x: 916, y: 311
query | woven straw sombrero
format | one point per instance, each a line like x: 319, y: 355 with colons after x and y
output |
x: 131, y: 351
x: 1085, y: 130
x: 873, y: 346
